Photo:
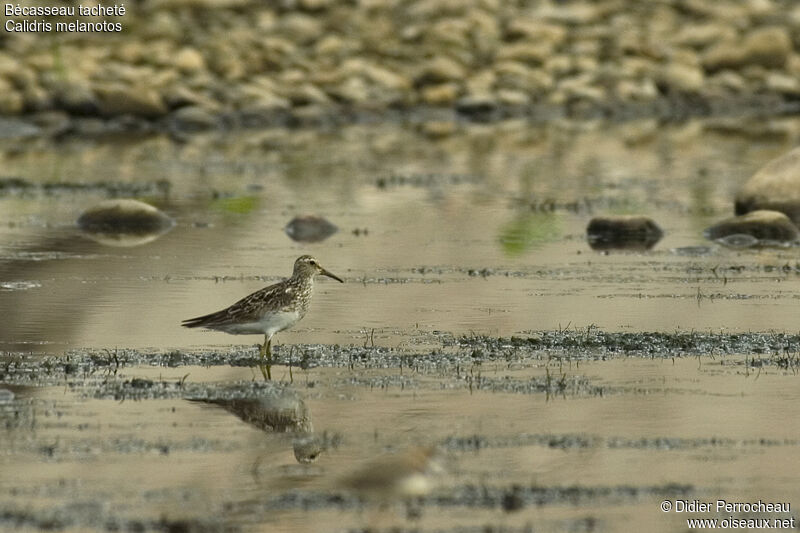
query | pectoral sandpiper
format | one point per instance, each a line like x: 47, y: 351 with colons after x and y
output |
x: 269, y: 310
x: 406, y: 474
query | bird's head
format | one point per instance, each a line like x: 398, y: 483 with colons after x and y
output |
x: 305, y: 265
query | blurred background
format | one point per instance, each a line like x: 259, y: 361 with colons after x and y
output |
x: 444, y: 158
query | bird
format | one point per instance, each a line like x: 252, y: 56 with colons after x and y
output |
x: 269, y: 310
x: 405, y: 474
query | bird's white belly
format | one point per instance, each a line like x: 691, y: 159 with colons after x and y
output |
x: 269, y: 325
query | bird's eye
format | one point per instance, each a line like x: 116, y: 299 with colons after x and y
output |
x: 313, y: 262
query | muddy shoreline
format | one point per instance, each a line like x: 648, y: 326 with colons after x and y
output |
x: 429, y: 122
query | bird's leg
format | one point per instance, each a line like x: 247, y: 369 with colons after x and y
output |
x: 262, y: 349
x: 265, y: 351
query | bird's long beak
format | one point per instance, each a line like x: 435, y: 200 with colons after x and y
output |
x: 334, y: 276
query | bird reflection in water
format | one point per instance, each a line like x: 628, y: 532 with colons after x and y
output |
x: 281, y: 412
x: 404, y: 476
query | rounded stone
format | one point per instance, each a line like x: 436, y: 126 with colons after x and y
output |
x: 124, y: 216
x: 766, y: 47
x: 776, y: 186
x: 353, y: 90
x: 189, y: 60
x: 193, y: 118
x: 304, y: 94
x: 438, y: 129
x: 443, y: 94
x: 310, y: 228
x: 439, y: 70
x: 124, y: 99
x: 629, y: 232
x: 683, y: 78
x: 782, y: 83
x: 513, y: 98
x: 763, y: 225
x: 704, y: 35
x: 535, y: 31
x: 525, y: 52
x: 74, y: 97
x: 303, y: 29
x: 11, y: 101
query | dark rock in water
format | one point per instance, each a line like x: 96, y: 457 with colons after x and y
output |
x: 310, y: 228
x: 764, y: 227
x: 124, y: 222
x: 776, y: 186
x: 623, y: 232
x: 123, y: 216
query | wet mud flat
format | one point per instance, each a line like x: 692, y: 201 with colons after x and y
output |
x: 467, y: 268
x: 605, y: 427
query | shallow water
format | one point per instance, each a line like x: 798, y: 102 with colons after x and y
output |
x: 446, y: 210
x: 713, y: 434
x: 478, y: 234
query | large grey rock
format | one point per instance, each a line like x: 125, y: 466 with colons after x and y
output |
x: 766, y: 227
x: 124, y: 222
x: 776, y: 186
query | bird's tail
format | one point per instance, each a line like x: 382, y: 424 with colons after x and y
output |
x: 205, y: 320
